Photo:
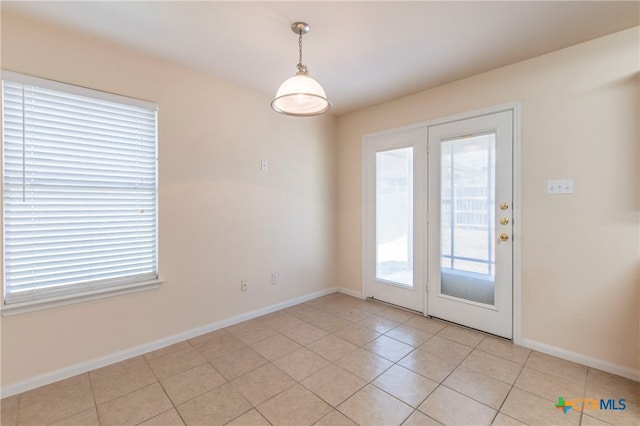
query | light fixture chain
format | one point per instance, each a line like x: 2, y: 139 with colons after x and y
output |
x: 300, y: 47
x: 301, y: 67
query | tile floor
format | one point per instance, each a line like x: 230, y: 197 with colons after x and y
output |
x: 335, y: 360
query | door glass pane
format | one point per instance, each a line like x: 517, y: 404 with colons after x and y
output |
x: 394, y: 216
x: 467, y: 218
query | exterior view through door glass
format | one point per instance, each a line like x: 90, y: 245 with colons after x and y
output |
x: 470, y: 184
x: 394, y: 216
x: 467, y: 231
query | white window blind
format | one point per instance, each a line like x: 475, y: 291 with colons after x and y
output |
x: 79, y: 190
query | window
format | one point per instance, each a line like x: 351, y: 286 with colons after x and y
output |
x: 79, y: 193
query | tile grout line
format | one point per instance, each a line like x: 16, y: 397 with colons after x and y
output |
x: 513, y: 385
x: 93, y: 396
x: 18, y: 408
x: 457, y: 366
x: 163, y: 390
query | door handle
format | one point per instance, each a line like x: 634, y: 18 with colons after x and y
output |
x: 503, y: 236
x: 504, y: 221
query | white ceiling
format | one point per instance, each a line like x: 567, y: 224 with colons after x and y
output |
x: 362, y: 53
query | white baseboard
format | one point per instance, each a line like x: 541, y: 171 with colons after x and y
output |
x: 352, y: 293
x: 618, y: 370
x: 83, y: 367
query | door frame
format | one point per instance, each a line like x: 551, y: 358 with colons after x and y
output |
x: 415, y: 138
x: 367, y: 223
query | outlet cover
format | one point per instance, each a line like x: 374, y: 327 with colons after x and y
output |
x: 560, y: 186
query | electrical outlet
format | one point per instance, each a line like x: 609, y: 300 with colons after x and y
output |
x: 274, y: 278
x: 243, y: 285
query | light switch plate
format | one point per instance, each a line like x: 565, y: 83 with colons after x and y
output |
x: 560, y: 186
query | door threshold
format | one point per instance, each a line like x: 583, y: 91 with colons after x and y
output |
x: 413, y: 311
x: 470, y: 328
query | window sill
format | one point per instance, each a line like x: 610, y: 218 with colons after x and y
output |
x: 37, y: 305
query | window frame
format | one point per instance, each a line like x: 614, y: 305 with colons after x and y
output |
x: 83, y: 292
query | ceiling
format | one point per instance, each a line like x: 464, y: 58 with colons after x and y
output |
x: 363, y: 52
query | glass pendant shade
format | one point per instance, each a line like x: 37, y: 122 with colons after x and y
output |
x: 301, y: 96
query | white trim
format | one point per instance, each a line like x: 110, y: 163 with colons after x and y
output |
x: 517, y: 222
x: 497, y: 319
x: 352, y: 293
x: 54, y: 302
x: 83, y: 367
x: 364, y: 264
x: 516, y: 107
x: 77, y: 90
x: 608, y: 367
x: 20, y: 296
x: 409, y: 296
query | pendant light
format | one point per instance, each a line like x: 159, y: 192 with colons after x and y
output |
x: 300, y: 95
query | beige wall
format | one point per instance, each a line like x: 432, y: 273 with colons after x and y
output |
x: 580, y: 268
x: 221, y: 219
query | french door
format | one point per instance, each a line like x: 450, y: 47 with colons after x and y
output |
x: 470, y: 211
x: 393, y: 253
x: 438, y: 217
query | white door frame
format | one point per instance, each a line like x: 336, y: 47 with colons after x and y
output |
x: 410, y: 297
x: 495, y: 316
x: 515, y: 107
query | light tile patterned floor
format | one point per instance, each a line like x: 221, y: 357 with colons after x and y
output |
x: 335, y: 360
